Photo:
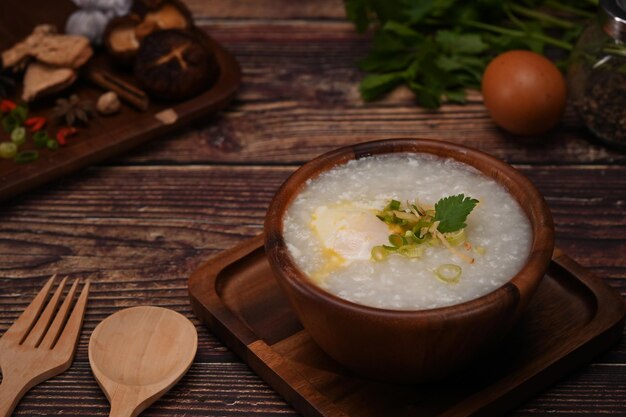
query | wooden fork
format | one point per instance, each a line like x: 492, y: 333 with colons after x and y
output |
x: 39, y: 345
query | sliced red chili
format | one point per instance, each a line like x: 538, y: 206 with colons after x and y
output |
x: 35, y: 123
x: 7, y: 105
x: 64, y: 133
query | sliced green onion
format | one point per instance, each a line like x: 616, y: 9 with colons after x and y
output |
x: 26, y: 157
x: 52, y: 144
x: 397, y: 240
x: 20, y: 113
x: 393, y: 205
x: 414, y: 238
x: 18, y: 135
x: 411, y: 251
x: 379, y: 253
x: 41, y: 139
x: 421, y: 225
x: 10, y: 122
x: 455, y: 238
x: 8, y: 150
x: 448, y: 273
x: 397, y: 220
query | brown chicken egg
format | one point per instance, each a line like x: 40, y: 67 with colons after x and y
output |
x: 524, y: 92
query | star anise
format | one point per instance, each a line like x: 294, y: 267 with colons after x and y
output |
x: 73, y: 110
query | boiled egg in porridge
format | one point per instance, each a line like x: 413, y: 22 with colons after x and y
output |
x: 347, y: 233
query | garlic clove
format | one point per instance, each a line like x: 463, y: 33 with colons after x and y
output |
x: 108, y: 103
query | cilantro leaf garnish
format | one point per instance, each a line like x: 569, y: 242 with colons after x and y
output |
x: 451, y: 212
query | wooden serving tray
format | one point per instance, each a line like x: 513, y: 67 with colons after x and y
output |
x: 573, y: 317
x: 105, y: 136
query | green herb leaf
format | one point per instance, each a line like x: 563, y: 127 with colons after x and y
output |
x: 25, y: 157
x: 455, y: 43
x: 452, y: 212
x: 356, y: 10
x: 375, y: 85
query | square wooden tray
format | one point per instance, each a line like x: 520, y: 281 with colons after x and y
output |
x: 573, y: 317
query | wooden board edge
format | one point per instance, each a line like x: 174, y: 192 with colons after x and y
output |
x: 191, y: 110
x: 602, y: 332
x: 207, y: 305
x: 261, y: 358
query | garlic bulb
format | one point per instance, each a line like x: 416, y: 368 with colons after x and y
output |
x: 93, y: 16
x: 118, y: 7
x: 89, y: 23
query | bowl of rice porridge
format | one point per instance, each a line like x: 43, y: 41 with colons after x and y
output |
x: 406, y: 258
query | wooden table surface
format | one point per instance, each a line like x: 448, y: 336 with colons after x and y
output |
x: 139, y: 224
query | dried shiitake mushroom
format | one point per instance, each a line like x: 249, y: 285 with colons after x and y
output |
x: 123, y: 35
x: 174, y: 65
x: 120, y: 38
x: 168, y: 16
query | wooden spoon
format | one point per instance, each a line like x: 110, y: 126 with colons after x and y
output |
x: 139, y: 353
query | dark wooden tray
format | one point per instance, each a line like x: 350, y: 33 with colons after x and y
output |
x: 573, y: 317
x: 105, y: 136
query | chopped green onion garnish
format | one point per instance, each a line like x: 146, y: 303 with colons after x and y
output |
x: 414, y: 227
x: 20, y: 113
x: 18, y: 135
x: 379, y: 253
x: 411, y: 251
x: 448, y: 273
x: 8, y: 150
x: 455, y: 238
x: 26, y: 156
x: 397, y: 240
x: 393, y: 205
x: 41, y: 139
x: 10, y: 122
x: 52, y: 144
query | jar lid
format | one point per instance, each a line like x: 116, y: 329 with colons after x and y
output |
x: 613, y: 18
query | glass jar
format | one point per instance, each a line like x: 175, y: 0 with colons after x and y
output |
x: 597, y: 75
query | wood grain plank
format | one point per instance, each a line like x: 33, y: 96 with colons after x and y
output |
x: 139, y: 232
x: 231, y: 389
x: 596, y: 390
x: 300, y: 98
x: 227, y: 389
x: 177, y: 214
x: 266, y: 9
x: 140, y: 224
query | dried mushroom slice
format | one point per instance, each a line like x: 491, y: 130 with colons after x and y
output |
x: 42, y: 79
x: 168, y: 16
x: 174, y: 65
x: 124, y: 34
x: 120, y: 39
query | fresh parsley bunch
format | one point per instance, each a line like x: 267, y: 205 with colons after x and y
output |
x: 440, y: 48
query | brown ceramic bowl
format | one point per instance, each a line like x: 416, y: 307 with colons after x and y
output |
x: 420, y: 345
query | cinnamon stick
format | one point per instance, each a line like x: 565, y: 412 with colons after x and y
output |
x: 127, y: 92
